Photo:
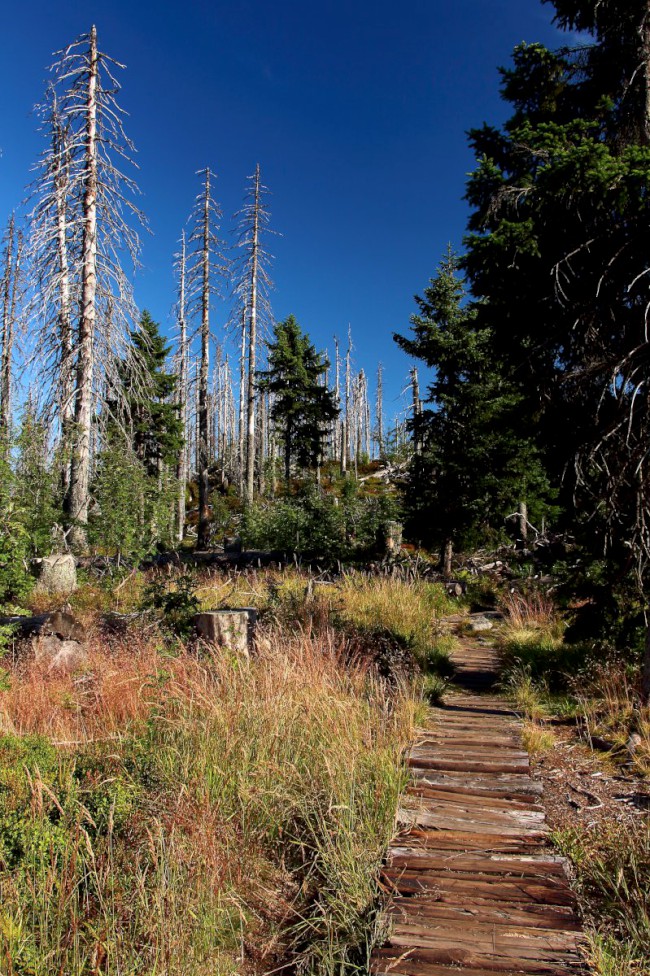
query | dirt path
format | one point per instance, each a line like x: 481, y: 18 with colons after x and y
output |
x: 475, y: 886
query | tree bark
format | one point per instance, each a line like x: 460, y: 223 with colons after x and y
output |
x: 523, y: 521
x: 417, y: 411
x: 252, y: 342
x: 203, y: 460
x: 379, y: 410
x: 78, y: 495
x: 61, y: 157
x: 447, y: 554
x: 7, y: 338
x: 241, y: 430
x: 183, y: 378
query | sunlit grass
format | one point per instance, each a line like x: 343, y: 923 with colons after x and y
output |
x: 199, y: 813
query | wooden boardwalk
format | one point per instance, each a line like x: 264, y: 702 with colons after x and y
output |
x: 476, y: 888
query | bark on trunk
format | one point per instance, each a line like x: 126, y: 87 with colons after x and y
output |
x: 61, y: 177
x: 181, y: 469
x: 252, y: 341
x: 417, y: 411
x: 203, y: 404
x: 523, y: 521
x: 7, y: 338
x: 447, y: 554
x: 242, y: 405
x: 78, y: 495
x: 380, y: 410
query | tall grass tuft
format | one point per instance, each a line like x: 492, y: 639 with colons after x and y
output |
x: 200, y: 812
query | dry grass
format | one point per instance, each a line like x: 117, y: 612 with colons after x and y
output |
x: 206, y: 814
x: 613, y: 866
x: 609, y: 705
x: 537, y: 739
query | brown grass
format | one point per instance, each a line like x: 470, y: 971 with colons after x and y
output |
x: 239, y: 810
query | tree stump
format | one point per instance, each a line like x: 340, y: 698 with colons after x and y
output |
x: 55, y: 574
x: 393, y: 538
x: 231, y: 629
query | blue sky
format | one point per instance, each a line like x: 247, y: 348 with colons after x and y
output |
x: 356, y: 112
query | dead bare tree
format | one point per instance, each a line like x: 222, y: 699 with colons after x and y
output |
x: 252, y: 285
x: 85, y: 217
x: 345, y: 446
x: 207, y: 268
x: 182, y: 372
x: 379, y: 409
x: 54, y: 259
x: 11, y: 287
x: 416, y: 410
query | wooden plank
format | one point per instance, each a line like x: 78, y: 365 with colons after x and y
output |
x: 544, y: 866
x: 459, y: 766
x: 474, y: 887
x: 532, y: 915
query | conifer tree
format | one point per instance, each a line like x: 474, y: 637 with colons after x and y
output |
x: 474, y: 462
x: 302, y: 408
x: 558, y: 253
x: 150, y: 406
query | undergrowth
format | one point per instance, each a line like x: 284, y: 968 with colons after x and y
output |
x: 612, y: 865
x: 170, y: 811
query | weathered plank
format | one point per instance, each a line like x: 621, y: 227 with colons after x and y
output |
x: 474, y: 887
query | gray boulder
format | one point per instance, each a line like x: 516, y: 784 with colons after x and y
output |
x: 59, y: 655
x: 476, y: 624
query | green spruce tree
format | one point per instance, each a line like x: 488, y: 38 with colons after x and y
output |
x: 477, y: 463
x: 558, y: 255
x: 151, y: 411
x: 303, y: 406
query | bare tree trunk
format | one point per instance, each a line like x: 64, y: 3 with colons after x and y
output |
x: 12, y: 258
x: 262, y: 445
x: 523, y: 521
x: 345, y: 453
x: 78, y: 495
x: 252, y: 343
x: 417, y: 411
x: 242, y: 403
x: 447, y: 555
x: 379, y: 409
x: 61, y: 162
x: 339, y: 451
x: 183, y: 393
x: 203, y: 460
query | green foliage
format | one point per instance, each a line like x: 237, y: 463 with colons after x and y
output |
x: 133, y: 511
x: 177, y: 604
x: 557, y: 256
x: 478, y: 461
x: 150, y: 413
x: 15, y: 580
x: 37, y: 485
x: 320, y: 524
x: 302, y: 408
